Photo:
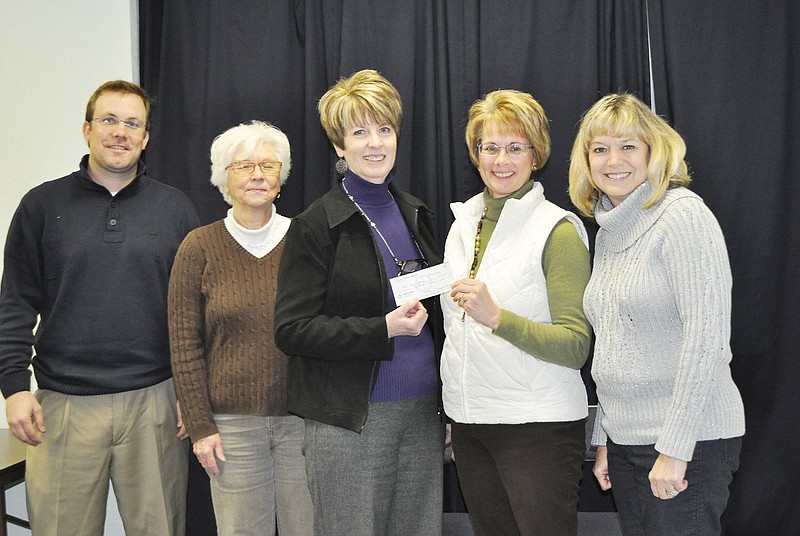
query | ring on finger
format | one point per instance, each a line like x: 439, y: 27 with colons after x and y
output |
x: 672, y: 493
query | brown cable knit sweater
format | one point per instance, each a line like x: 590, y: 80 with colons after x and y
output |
x: 221, y: 330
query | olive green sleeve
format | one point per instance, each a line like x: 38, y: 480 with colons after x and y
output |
x: 566, y: 341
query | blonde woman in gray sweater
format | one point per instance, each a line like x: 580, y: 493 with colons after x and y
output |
x: 670, y: 418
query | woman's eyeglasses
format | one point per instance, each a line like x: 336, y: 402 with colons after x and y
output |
x: 512, y: 149
x: 245, y: 167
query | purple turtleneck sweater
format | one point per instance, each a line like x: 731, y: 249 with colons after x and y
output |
x: 412, y: 370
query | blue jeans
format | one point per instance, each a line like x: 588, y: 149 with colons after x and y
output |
x: 264, y: 478
x: 695, y: 511
x: 385, y: 481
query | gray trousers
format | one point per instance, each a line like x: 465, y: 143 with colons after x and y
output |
x: 263, y: 479
x: 385, y: 481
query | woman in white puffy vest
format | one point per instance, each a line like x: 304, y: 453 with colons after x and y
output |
x: 516, y: 333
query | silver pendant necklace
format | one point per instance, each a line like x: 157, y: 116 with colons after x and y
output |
x: 372, y: 224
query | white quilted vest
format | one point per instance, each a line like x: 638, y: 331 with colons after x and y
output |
x: 486, y: 380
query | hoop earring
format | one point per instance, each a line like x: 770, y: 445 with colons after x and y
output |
x: 341, y: 166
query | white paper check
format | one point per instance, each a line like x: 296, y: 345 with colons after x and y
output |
x: 422, y: 283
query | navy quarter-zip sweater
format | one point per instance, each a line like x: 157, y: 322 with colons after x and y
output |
x: 96, y: 268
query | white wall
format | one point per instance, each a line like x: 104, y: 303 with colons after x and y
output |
x: 53, y: 55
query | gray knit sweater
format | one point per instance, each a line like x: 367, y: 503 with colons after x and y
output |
x: 659, y: 300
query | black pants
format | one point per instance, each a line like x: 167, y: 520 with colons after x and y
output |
x: 521, y: 479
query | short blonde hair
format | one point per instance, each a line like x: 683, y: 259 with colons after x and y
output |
x: 364, y: 95
x: 625, y: 116
x: 512, y: 111
x: 247, y: 138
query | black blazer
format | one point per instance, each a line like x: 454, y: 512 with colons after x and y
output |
x: 331, y: 306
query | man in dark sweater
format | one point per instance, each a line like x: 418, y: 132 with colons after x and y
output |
x: 88, y: 256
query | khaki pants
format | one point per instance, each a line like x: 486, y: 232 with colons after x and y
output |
x: 128, y: 439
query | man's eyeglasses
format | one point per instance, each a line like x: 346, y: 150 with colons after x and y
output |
x: 110, y: 121
x: 409, y: 267
x: 512, y: 149
x: 245, y: 167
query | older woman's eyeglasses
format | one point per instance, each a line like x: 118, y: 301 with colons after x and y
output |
x: 409, y: 267
x: 245, y: 167
x: 512, y: 149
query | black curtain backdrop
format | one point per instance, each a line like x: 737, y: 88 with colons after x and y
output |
x: 725, y: 74
x: 211, y: 65
x: 728, y: 74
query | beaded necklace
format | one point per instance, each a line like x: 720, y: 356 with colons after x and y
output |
x: 474, y: 267
x: 477, y: 244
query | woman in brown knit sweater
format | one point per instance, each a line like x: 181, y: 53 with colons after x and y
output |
x: 229, y: 375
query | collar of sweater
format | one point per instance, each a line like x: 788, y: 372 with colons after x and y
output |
x: 338, y: 207
x: 624, y: 224
x: 368, y: 193
x: 523, y: 200
x: 494, y: 205
x: 85, y: 181
x: 258, y: 242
